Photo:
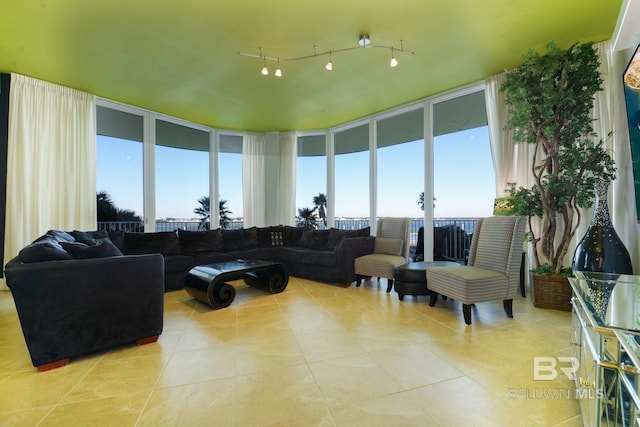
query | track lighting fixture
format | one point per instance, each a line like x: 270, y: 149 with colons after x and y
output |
x: 265, y: 70
x: 364, y: 42
x: 278, y: 70
x: 394, y: 61
x: 329, y: 65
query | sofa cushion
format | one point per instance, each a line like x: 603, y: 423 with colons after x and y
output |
x: 59, y: 236
x: 117, y: 238
x: 163, y: 242
x: 292, y: 235
x: 81, y: 251
x: 90, y: 237
x: 173, y: 263
x: 271, y: 236
x: 297, y: 255
x: 201, y: 241
x: 388, y: 246
x: 363, y: 232
x: 336, y: 236
x: 240, y: 239
x: 314, y: 239
x: 43, y: 249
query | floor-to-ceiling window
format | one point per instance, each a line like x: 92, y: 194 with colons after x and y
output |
x: 400, y: 164
x: 230, y: 181
x: 464, y: 182
x: 181, y: 177
x: 463, y: 177
x: 311, y: 180
x: 351, y: 172
x: 119, y: 170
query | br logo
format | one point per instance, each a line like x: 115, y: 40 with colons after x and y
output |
x: 546, y: 368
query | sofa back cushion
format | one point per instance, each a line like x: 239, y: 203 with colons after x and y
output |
x: 81, y: 251
x: 90, y: 238
x: 164, y: 242
x: 269, y: 237
x: 200, y: 241
x: 314, y: 239
x: 336, y: 236
x: 43, y: 249
x: 240, y: 239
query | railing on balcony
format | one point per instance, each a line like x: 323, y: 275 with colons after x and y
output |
x: 460, y: 229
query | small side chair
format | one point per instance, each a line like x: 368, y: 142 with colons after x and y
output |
x: 493, y: 270
x: 391, y: 251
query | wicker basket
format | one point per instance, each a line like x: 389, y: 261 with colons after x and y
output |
x: 551, y: 292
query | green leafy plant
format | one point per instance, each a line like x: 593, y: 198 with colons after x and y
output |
x: 550, y: 97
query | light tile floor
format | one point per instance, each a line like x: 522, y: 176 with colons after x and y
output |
x: 314, y: 355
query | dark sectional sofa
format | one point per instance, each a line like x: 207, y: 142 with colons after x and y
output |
x: 322, y: 255
x: 80, y: 292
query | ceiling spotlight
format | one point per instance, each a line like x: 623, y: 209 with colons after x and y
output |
x: 364, y: 40
x: 329, y: 65
x: 265, y: 70
x: 278, y: 70
x: 394, y: 61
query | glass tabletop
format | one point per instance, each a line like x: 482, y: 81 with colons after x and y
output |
x: 613, y: 300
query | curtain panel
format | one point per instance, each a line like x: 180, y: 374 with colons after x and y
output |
x: 51, y: 161
x: 253, y: 179
x: 286, y: 194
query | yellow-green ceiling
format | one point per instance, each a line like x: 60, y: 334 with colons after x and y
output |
x: 180, y: 57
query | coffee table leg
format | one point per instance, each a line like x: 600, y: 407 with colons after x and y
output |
x: 220, y: 294
x: 272, y: 281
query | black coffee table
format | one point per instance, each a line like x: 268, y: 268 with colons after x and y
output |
x: 208, y: 282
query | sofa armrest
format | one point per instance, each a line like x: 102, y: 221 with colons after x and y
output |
x: 73, y: 307
x: 348, y: 250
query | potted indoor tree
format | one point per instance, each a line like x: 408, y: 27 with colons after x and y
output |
x: 550, y: 97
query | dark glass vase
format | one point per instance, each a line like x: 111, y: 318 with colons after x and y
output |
x: 601, y: 250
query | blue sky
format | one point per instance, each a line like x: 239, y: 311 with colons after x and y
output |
x: 464, y: 180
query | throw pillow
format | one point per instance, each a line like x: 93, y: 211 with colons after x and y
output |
x: 291, y: 235
x: 43, y: 250
x: 363, y: 232
x: 314, y: 239
x: 81, y: 251
x: 60, y: 236
x: 117, y: 238
x: 240, y: 239
x: 90, y: 237
x: 162, y: 242
x: 336, y: 236
x: 200, y: 241
x: 388, y: 246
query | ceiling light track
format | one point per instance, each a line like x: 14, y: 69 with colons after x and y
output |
x: 363, y: 43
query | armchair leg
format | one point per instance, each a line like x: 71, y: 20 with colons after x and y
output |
x: 508, y: 307
x: 358, y: 280
x: 389, y: 285
x: 433, y: 298
x: 466, y: 311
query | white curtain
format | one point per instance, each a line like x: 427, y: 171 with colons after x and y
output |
x: 253, y: 179
x: 51, y: 162
x: 286, y: 194
x: 511, y: 160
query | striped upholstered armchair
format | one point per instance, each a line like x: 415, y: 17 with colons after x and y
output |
x: 493, y: 270
x: 391, y: 250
